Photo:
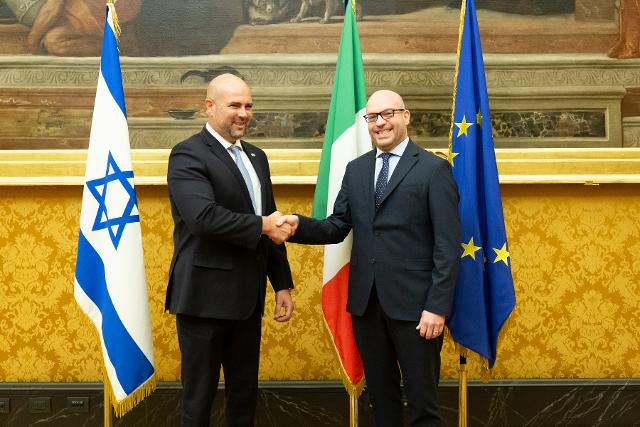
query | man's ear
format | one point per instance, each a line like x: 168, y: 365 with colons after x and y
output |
x: 406, y: 114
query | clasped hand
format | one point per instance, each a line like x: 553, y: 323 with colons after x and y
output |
x: 278, y: 227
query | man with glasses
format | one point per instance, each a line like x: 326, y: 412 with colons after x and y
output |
x: 401, y: 202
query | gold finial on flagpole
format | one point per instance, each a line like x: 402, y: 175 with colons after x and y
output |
x: 114, y: 16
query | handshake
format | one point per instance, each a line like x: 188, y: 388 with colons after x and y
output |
x: 278, y: 227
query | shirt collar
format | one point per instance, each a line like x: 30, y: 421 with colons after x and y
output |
x: 226, y: 144
x: 397, y: 151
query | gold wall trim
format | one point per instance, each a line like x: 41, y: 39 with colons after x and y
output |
x: 299, y: 166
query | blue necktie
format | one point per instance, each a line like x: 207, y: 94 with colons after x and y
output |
x: 235, y: 150
x: 383, y: 177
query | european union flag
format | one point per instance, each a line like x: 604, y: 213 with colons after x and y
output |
x: 484, y: 293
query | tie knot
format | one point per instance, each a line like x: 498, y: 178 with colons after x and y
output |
x: 385, y: 156
x: 234, y: 149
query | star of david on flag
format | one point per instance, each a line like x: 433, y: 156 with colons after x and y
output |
x: 110, y: 284
x: 110, y: 220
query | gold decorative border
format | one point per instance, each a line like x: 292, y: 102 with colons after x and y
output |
x: 590, y: 166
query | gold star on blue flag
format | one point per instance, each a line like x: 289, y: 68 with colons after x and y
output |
x: 485, y: 295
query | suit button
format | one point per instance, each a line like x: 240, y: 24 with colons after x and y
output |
x: 377, y: 233
x: 373, y: 260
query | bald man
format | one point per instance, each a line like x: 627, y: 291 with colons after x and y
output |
x: 401, y: 202
x: 226, y: 244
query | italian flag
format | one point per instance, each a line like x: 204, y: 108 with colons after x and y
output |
x: 346, y: 138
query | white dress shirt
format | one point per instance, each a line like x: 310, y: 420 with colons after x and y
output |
x: 257, y: 188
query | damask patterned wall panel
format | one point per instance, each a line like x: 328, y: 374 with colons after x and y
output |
x: 576, y: 271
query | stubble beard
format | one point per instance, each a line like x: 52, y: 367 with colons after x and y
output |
x: 236, y: 133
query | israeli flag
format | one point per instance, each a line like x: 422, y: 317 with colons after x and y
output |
x: 110, y: 284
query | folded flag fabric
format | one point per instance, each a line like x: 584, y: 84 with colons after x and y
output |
x: 346, y: 138
x: 484, y: 295
x: 110, y: 284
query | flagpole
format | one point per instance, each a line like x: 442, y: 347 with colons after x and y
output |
x: 353, y: 408
x: 107, y: 402
x: 345, y: 139
x: 462, y: 392
x: 353, y: 393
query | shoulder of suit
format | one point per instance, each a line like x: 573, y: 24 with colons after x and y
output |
x: 194, y: 142
x: 431, y: 158
x: 364, y: 158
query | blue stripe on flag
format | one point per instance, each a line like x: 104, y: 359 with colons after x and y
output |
x: 110, y: 65
x: 131, y: 365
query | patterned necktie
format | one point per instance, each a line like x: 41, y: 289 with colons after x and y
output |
x: 383, y: 177
x: 244, y: 172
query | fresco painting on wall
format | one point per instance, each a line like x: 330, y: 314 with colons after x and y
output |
x: 43, y: 105
x: 199, y: 27
x: 628, y: 45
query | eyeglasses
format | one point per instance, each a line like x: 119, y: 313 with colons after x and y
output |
x: 385, y: 114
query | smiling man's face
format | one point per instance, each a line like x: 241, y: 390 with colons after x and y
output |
x: 229, y: 106
x: 387, y: 133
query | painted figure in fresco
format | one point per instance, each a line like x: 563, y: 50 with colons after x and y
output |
x: 224, y: 216
x: 628, y: 45
x: 273, y: 11
x: 328, y: 7
x: 262, y: 12
x: 401, y: 203
x: 68, y: 27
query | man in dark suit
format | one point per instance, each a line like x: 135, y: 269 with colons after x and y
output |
x: 401, y: 202
x: 224, y: 214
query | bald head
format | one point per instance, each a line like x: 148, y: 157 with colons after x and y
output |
x: 385, y: 98
x: 229, y: 106
x: 225, y: 83
x: 389, y: 131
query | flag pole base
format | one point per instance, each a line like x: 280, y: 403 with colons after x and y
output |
x: 462, y: 392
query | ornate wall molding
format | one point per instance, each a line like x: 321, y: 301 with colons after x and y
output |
x: 316, y: 70
x: 631, y: 129
x: 579, y: 94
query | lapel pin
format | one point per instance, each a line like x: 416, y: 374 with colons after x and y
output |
x: 253, y: 154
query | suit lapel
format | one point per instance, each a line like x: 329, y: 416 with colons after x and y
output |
x: 368, y: 174
x: 218, y: 150
x: 407, y: 161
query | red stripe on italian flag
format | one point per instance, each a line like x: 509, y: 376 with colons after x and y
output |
x: 345, y: 139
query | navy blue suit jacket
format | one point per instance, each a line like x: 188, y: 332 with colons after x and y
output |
x: 409, y: 247
x: 220, y: 260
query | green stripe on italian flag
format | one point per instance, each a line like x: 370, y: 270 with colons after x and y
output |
x: 345, y: 139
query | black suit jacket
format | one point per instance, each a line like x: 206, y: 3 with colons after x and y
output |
x: 409, y: 247
x: 220, y: 260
